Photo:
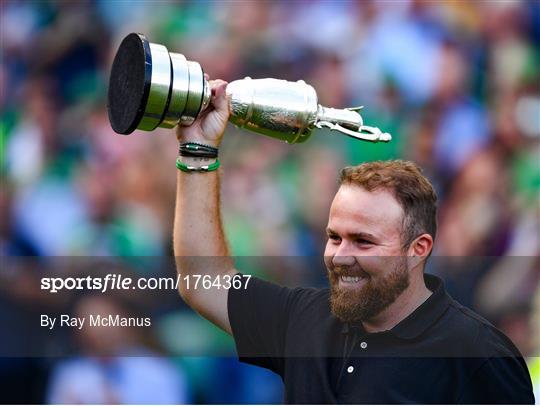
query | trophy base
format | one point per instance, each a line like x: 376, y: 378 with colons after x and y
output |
x: 150, y: 87
x: 129, y: 84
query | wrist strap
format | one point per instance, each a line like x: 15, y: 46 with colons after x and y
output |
x: 188, y: 168
x: 194, y: 149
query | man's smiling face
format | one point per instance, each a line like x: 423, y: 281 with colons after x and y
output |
x: 366, y: 263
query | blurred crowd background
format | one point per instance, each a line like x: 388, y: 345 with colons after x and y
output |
x: 456, y: 83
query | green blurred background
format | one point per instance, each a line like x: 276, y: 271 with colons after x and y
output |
x: 456, y: 83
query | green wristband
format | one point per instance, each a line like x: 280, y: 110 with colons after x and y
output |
x: 188, y: 168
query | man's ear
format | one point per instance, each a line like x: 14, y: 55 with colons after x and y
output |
x: 419, y: 249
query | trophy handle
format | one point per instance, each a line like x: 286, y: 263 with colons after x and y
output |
x: 348, y: 121
x: 365, y: 132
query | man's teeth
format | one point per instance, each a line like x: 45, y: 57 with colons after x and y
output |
x: 350, y: 278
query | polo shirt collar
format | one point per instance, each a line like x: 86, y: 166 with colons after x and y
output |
x: 424, y: 316
x: 427, y: 313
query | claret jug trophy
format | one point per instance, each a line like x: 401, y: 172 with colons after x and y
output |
x: 151, y: 87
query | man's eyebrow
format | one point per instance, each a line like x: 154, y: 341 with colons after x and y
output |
x: 363, y: 236
x: 330, y: 231
x: 360, y: 235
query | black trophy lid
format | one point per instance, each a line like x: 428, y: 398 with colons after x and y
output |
x: 129, y: 84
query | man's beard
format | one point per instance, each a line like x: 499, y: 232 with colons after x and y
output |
x: 354, y: 305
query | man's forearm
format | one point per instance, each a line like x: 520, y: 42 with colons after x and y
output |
x: 200, y: 246
x: 199, y: 242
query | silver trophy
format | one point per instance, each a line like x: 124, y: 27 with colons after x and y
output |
x: 151, y: 87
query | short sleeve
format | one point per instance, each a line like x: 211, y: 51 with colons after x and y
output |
x: 259, y: 316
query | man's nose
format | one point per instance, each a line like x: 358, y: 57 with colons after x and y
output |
x: 343, y: 256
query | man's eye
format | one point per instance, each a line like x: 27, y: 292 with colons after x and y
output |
x: 361, y: 241
x: 334, y: 238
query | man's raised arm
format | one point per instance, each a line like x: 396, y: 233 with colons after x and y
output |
x: 200, y: 246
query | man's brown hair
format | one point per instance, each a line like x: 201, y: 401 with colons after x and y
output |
x: 413, y: 191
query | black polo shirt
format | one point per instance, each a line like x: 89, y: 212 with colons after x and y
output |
x: 441, y: 353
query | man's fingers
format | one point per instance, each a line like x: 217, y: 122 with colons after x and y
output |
x: 214, y: 84
x: 219, y: 96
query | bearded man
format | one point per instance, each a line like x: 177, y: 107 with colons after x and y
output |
x: 384, y: 332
